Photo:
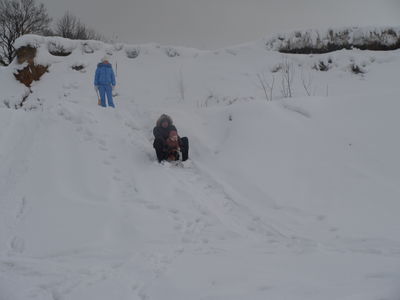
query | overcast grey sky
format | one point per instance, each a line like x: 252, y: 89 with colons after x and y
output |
x: 211, y: 24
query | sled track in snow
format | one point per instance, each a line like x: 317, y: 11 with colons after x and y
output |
x: 200, y: 211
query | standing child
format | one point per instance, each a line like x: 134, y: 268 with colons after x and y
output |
x: 104, y: 82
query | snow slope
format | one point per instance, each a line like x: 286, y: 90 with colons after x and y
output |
x: 287, y: 199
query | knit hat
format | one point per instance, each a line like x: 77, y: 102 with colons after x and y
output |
x: 105, y: 58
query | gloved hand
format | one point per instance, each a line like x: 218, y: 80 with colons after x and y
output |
x: 113, y: 87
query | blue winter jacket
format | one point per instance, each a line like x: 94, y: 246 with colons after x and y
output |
x: 104, y: 75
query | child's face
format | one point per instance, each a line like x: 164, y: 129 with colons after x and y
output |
x: 164, y: 124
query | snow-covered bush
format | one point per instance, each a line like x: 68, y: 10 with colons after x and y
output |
x: 356, y: 69
x: 90, y: 47
x: 57, y: 49
x: 59, y: 46
x: 109, y: 50
x: 322, y: 66
x: 132, y: 51
x: 79, y: 67
x: 118, y: 46
x: 323, y: 41
x: 171, y: 52
x: 29, y: 40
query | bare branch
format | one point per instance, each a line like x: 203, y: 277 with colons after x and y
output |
x: 69, y: 26
x: 266, y: 85
x: 287, y: 71
x: 307, y: 83
x: 19, y: 17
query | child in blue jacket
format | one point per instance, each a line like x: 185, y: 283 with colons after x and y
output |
x: 104, y: 81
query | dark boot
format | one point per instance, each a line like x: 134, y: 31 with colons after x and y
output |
x: 184, y: 144
x: 159, y: 146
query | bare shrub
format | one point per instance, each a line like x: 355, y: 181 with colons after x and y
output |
x: 307, y: 82
x: 287, y: 73
x: 214, y: 99
x: 266, y: 85
x: 69, y: 26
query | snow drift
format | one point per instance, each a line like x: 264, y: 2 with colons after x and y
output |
x: 294, y: 198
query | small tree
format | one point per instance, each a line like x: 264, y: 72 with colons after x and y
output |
x: 69, y: 26
x: 19, y: 17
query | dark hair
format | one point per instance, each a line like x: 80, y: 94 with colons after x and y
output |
x: 163, y: 118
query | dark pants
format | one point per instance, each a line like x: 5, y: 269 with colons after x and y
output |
x: 162, y: 150
x: 184, y: 144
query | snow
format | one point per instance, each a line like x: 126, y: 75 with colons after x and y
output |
x: 14, y: 93
x: 285, y: 199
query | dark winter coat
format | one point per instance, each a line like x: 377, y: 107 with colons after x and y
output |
x: 161, y: 132
x: 165, y: 145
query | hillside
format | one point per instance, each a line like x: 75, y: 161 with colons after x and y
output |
x: 294, y: 198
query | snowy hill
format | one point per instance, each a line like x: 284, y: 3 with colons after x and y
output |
x: 294, y: 198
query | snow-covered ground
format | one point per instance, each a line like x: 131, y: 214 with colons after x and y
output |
x: 286, y: 199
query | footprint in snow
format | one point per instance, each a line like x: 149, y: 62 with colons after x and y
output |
x: 152, y: 206
x: 116, y: 178
x: 178, y: 227
x: 173, y: 210
x: 102, y: 142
